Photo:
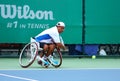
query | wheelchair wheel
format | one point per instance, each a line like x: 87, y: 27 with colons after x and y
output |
x: 28, y: 54
x: 57, y: 56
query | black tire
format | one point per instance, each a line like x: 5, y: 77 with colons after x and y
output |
x: 57, y: 55
x: 28, y: 54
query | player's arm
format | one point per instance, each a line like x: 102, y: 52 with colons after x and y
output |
x: 57, y: 40
x: 60, y: 45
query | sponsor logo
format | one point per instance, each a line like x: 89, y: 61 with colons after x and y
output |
x: 24, y: 12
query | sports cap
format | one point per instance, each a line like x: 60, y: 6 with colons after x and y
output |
x: 60, y: 24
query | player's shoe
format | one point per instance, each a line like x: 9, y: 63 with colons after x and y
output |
x: 50, y: 58
x: 43, y: 62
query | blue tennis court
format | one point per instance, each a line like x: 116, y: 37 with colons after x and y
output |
x: 61, y: 75
x: 72, y: 69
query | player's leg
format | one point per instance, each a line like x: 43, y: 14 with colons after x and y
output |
x: 47, y: 51
x: 50, y: 49
x: 42, y: 55
x: 55, y: 56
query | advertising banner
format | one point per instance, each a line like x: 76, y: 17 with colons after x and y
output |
x: 20, y: 20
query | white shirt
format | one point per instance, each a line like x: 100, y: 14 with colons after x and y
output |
x: 48, y: 34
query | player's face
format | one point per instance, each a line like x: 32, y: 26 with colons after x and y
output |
x: 60, y: 29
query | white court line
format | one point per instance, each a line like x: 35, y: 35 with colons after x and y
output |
x: 22, y: 78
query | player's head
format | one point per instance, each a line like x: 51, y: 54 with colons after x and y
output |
x: 60, y: 26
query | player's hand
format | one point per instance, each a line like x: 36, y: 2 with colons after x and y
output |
x: 64, y: 48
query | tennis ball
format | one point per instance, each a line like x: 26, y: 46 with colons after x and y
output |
x: 93, y: 57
